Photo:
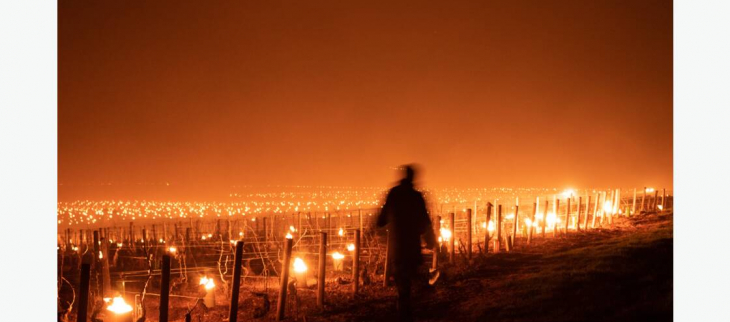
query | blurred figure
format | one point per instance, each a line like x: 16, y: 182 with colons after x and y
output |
x: 405, y: 211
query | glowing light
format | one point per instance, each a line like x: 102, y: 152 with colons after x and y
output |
x: 607, y: 206
x: 172, y: 249
x: 568, y: 193
x: 351, y: 247
x: 660, y: 207
x: 101, y: 255
x: 240, y: 234
x: 118, y: 306
x: 649, y: 190
x: 484, y: 225
x: 445, y: 234
x: 162, y: 241
x: 208, y: 282
x: 491, y: 226
x: 337, y: 256
x: 292, y: 229
x: 528, y: 222
x: 202, y: 237
x: 341, y: 232
x: 289, y: 236
x: 299, y: 265
x: 119, y: 245
x: 552, y: 219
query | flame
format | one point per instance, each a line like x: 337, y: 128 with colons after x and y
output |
x: 490, y: 228
x: 208, y: 282
x: 203, y: 237
x: 240, y: 234
x: 484, y: 225
x: 441, y: 240
x: 607, y: 206
x: 101, y: 255
x: 289, y: 236
x: 528, y: 222
x: 210, y: 235
x: 299, y: 265
x: 341, y: 232
x: 172, y: 249
x: 233, y: 241
x: 337, y: 256
x: 162, y: 241
x: 552, y: 219
x: 446, y: 234
x: 660, y: 207
x: 119, y: 245
x: 292, y: 229
x: 118, y: 306
x: 351, y: 247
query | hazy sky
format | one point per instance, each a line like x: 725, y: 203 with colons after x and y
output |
x: 208, y: 94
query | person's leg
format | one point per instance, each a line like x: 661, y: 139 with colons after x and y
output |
x: 403, y: 283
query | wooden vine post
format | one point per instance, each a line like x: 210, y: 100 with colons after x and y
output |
x: 567, y: 216
x: 165, y: 289
x: 281, y: 304
x: 468, y: 233
x: 513, y: 238
x: 452, y: 241
x: 532, y: 223
x: 544, y: 218
x: 633, y: 204
x: 577, y: 214
x: 585, y: 218
x: 643, y: 200
x: 498, y: 228
x: 81, y: 316
x: 595, y: 210
x: 322, y: 271
x: 236, y: 283
x: 356, y: 264
x: 556, y: 207
x: 486, y: 235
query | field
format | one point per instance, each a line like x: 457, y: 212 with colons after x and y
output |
x: 587, y: 262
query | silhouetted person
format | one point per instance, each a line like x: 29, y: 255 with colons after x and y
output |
x: 405, y: 211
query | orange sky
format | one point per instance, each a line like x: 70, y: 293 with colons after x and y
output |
x: 205, y: 95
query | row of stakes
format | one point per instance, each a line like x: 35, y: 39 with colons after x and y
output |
x: 509, y: 240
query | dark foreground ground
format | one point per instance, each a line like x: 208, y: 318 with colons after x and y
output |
x: 619, y: 274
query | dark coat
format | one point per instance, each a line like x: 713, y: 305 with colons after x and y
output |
x: 405, y: 213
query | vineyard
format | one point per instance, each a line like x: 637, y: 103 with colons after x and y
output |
x: 283, y: 257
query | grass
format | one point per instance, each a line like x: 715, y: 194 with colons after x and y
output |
x: 618, y: 274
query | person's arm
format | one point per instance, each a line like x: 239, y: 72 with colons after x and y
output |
x: 428, y: 234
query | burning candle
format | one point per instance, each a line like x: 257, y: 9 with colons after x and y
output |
x: 300, y: 269
x: 445, y: 234
x: 209, y: 285
x: 337, y: 258
x: 122, y: 311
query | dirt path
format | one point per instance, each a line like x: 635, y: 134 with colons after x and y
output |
x: 619, y: 274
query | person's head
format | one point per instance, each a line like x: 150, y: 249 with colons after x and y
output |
x: 409, y: 172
